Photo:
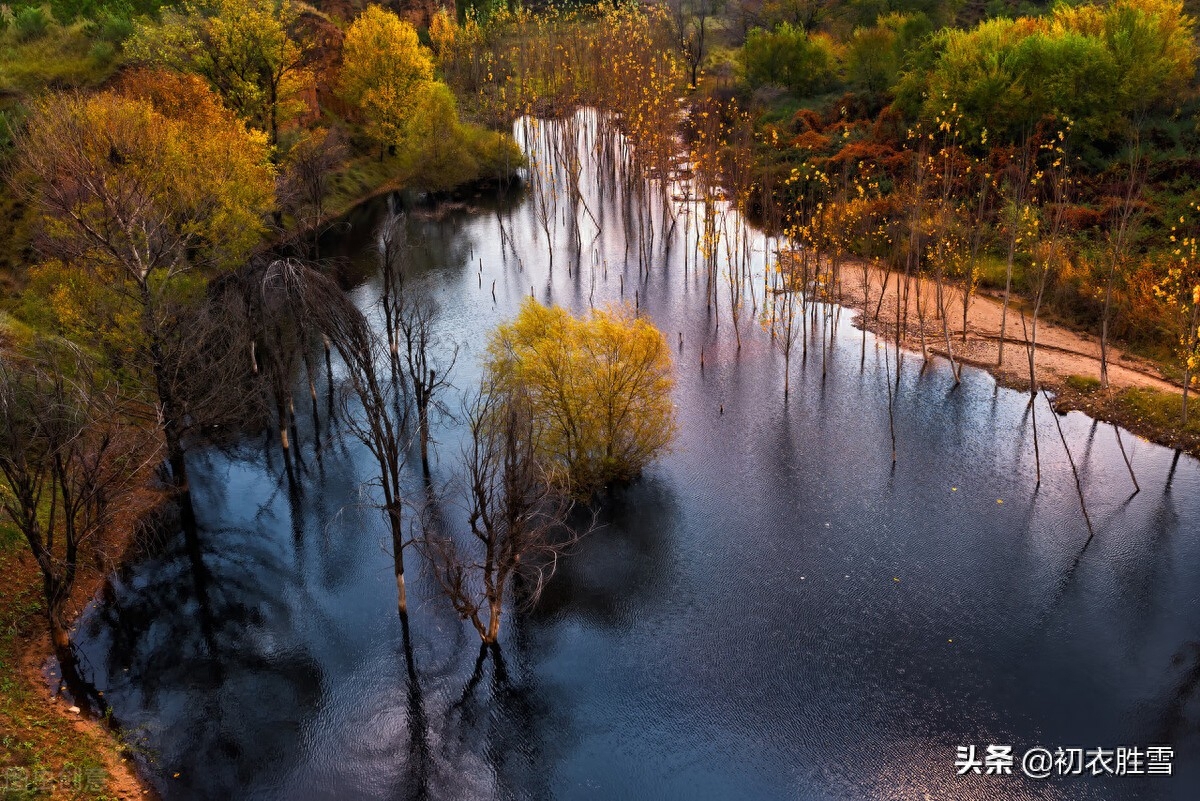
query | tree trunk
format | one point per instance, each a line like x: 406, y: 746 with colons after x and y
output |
x: 394, y: 518
x: 168, y: 414
x: 493, y: 629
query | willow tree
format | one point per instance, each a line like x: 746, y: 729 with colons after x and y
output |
x: 599, y: 390
x: 141, y: 202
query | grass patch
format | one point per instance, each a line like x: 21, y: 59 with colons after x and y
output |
x: 992, y: 269
x: 1083, y: 384
x: 65, y: 56
x: 1160, y: 409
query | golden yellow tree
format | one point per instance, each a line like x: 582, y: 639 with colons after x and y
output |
x: 599, y: 389
x: 139, y: 204
x: 384, y: 71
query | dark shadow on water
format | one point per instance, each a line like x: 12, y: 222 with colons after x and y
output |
x: 619, y: 567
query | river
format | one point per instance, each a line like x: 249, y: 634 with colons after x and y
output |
x: 774, y: 611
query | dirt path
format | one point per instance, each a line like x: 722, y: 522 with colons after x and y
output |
x: 1061, y: 352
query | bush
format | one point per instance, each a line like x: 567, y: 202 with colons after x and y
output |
x: 32, y: 23
x: 600, y: 389
x: 113, y: 27
x: 102, y: 52
x: 790, y: 58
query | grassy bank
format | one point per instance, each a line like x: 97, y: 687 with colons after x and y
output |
x: 45, y: 750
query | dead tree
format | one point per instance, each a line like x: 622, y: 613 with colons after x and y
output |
x: 275, y: 314
x: 428, y: 375
x: 305, y: 181
x: 376, y: 414
x: 1120, y: 232
x: 409, y: 324
x: 517, y: 519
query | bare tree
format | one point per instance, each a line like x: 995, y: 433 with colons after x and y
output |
x: 304, y: 182
x: 428, y: 375
x: 274, y: 313
x: 376, y: 414
x: 66, y: 459
x: 1016, y: 188
x: 1125, y: 217
x: 692, y: 21
x: 516, y: 518
x: 410, y: 325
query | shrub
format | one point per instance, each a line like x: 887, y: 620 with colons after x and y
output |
x: 32, y: 23
x: 599, y: 387
x: 791, y: 58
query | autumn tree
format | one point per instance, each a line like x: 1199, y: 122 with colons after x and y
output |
x: 140, y: 207
x: 385, y: 70
x: 789, y: 57
x: 245, y: 49
x: 599, y: 389
x: 1180, y: 291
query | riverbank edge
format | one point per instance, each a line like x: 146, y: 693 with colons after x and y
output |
x: 43, y: 722
x: 28, y: 635
x: 1122, y: 403
x: 66, y: 746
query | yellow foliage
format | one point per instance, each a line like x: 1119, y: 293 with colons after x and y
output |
x: 438, y: 146
x: 384, y: 72
x: 600, y: 389
x: 442, y: 31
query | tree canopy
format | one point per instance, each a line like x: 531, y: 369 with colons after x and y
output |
x: 385, y: 72
x: 243, y: 48
x: 1099, y: 66
x: 599, y: 389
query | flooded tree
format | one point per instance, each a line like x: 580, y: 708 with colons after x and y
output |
x: 380, y: 422
x: 277, y: 313
x: 516, y: 514
x: 409, y: 322
x: 599, y: 390
x: 427, y: 374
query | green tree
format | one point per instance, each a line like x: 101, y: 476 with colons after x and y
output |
x: 243, y: 48
x: 436, y: 141
x: 791, y: 58
x: 1101, y: 66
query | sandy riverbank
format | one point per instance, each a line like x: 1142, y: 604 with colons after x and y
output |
x: 1061, y: 352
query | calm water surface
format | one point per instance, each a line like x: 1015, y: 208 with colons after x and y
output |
x: 772, y: 612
